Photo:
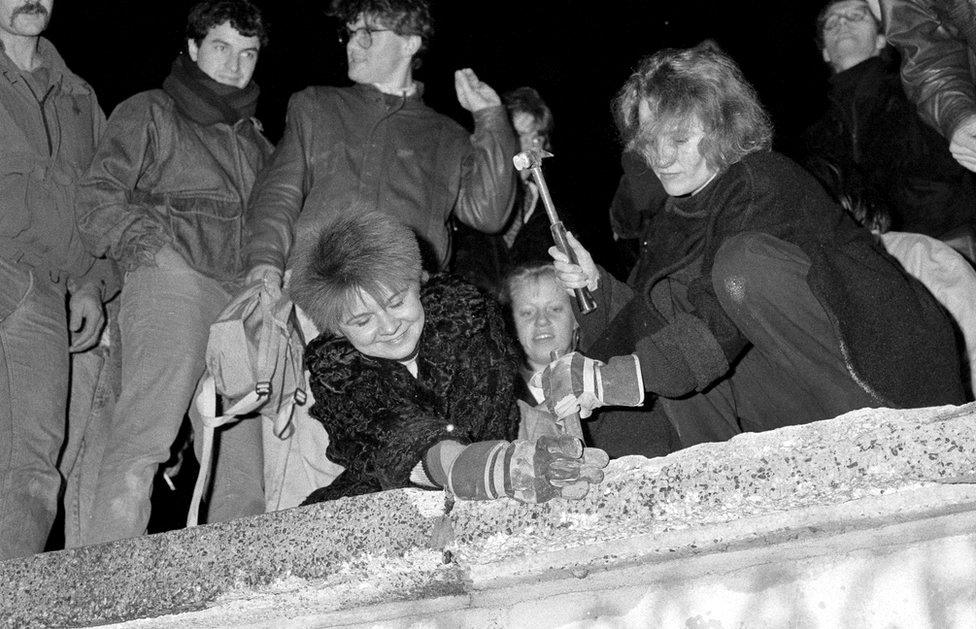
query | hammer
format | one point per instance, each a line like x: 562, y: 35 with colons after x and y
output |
x: 532, y: 160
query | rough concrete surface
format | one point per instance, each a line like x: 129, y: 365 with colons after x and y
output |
x: 795, y: 513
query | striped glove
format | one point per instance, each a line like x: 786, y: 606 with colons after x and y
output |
x: 532, y: 472
x: 575, y: 383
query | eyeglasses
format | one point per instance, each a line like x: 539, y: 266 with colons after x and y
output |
x: 832, y: 22
x: 362, y: 36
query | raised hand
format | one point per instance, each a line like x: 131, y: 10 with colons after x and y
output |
x: 962, y: 144
x: 473, y: 94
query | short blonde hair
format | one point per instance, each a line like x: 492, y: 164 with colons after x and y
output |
x: 522, y: 275
x: 357, y: 253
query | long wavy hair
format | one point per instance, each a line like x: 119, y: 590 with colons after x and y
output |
x: 678, y: 87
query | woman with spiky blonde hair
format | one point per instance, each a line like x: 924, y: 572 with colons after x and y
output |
x: 414, y: 377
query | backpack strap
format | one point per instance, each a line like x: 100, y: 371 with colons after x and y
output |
x: 205, y: 405
x: 283, y: 427
x: 275, y: 321
x: 205, y: 402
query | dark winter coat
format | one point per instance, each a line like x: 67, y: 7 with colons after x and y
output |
x: 897, y: 340
x: 485, y: 259
x: 381, y: 420
x: 878, y: 152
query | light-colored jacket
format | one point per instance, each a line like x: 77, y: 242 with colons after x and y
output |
x: 46, y: 143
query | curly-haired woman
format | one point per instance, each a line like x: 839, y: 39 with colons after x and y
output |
x: 757, y: 302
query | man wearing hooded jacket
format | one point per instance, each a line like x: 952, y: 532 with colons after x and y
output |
x: 165, y: 197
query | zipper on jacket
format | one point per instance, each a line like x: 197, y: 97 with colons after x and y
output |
x: 41, y: 101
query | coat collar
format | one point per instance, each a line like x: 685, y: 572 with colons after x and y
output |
x: 52, y: 60
x: 371, y: 93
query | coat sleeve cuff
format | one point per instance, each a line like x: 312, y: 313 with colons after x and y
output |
x: 141, y: 251
x: 683, y: 356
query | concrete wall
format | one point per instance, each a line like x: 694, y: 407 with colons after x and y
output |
x: 867, y: 520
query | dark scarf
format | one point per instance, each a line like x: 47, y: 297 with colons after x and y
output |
x: 205, y: 101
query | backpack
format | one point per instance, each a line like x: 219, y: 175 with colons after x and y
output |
x: 254, y: 360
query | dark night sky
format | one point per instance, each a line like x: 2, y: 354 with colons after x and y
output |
x: 577, y: 54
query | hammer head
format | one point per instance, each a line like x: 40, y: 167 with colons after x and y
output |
x: 531, y: 158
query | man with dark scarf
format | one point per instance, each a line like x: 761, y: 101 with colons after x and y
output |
x: 165, y: 197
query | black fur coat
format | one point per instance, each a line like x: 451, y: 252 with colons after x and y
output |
x: 381, y: 420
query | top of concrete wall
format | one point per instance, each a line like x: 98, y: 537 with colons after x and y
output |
x: 398, y: 545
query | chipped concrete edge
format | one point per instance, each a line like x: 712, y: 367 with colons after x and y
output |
x: 922, y: 502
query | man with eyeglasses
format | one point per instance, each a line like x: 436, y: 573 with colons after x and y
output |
x: 376, y: 145
x: 870, y: 148
x: 937, y: 42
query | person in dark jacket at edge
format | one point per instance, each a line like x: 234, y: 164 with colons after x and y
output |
x: 414, y: 378
x: 376, y: 145
x: 760, y: 303
x: 51, y: 289
x: 871, y: 145
x: 937, y: 43
x: 165, y: 196
x: 485, y: 259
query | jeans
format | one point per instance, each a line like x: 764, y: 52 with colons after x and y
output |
x: 94, y: 389
x: 164, y: 319
x: 33, y: 398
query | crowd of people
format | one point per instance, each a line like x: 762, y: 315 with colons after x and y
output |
x: 444, y: 348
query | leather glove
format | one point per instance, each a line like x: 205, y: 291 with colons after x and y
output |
x: 532, y: 472
x: 576, y: 383
x: 537, y: 421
